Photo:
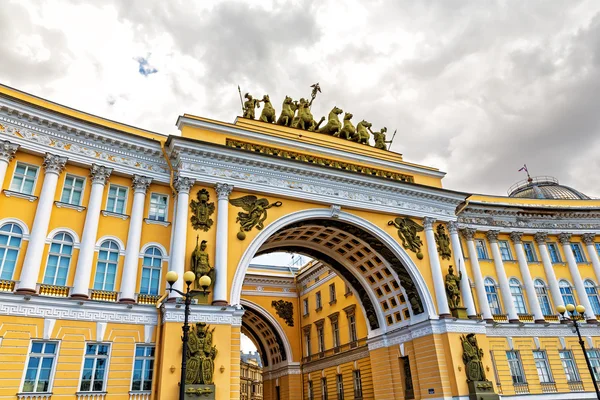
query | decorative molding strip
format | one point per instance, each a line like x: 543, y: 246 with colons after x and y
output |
x: 114, y: 214
x: 156, y: 222
x: 338, y: 359
x: 217, y: 315
x: 60, y: 204
x: 289, y: 369
x: 10, y: 193
x: 269, y: 281
x: 539, y: 330
x: 318, y: 283
x: 268, y: 293
x: 34, y: 396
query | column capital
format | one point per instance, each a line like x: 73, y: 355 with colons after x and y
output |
x: 428, y: 222
x: 183, y: 185
x: 564, y: 237
x: 468, y: 233
x: 7, y: 150
x: 452, y: 227
x: 54, y: 164
x: 100, y: 174
x: 541, y: 237
x: 223, y: 191
x: 140, y: 183
x: 588, y: 238
x: 492, y: 236
x: 516, y: 237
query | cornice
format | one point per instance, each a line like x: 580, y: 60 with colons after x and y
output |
x: 269, y: 293
x: 215, y: 315
x: 270, y: 281
x: 279, y: 370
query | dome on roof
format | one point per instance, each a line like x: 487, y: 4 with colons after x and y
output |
x: 544, y: 187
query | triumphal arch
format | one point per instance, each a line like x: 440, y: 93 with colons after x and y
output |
x: 414, y: 291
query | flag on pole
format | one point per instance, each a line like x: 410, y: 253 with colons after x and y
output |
x: 524, y: 168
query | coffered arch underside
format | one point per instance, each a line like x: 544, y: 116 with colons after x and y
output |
x: 265, y: 335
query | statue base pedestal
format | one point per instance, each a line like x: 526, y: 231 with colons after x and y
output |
x: 199, y: 392
x: 200, y: 295
x: 482, y: 390
x: 459, y: 312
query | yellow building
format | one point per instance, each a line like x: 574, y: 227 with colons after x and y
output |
x: 93, y: 213
x: 251, y: 387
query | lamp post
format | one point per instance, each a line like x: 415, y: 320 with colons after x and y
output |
x: 188, y: 278
x: 574, y: 311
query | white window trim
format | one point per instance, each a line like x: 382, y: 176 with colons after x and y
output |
x: 37, y: 174
x: 110, y: 237
x: 113, y: 213
x: 21, y: 224
x: 82, y: 188
x: 71, y: 256
x: 166, y: 206
x: 52, y: 373
x: 106, y: 371
x: 70, y: 231
x: 133, y: 368
x: 583, y: 256
x: 165, y: 259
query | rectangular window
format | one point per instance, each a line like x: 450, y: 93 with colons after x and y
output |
x: 597, y: 248
x: 516, y: 367
x: 348, y: 291
x: 321, y: 339
x: 310, y: 390
x: 319, y: 304
x: 307, y: 343
x: 542, y: 366
x: 24, y: 178
x: 336, y: 333
x: 352, y: 326
x: 529, y: 251
x: 305, y: 306
x: 40, y: 367
x: 481, y: 250
x: 554, y: 253
x: 340, y: 386
x: 357, y: 384
x: 93, y: 377
x: 143, y: 367
x: 158, y: 207
x: 323, y: 388
x: 568, y: 363
x: 594, y: 356
x: 73, y: 190
x: 578, y: 252
x: 332, y: 298
x: 117, y: 198
x: 505, y: 250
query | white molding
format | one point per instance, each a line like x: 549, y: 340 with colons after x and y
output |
x: 70, y: 231
x: 60, y: 204
x: 215, y: 315
x: 291, y: 368
x: 21, y: 224
x: 106, y: 213
x: 111, y: 237
x: 155, y: 222
x: 165, y: 253
x: 11, y: 193
x: 551, y: 396
x: 269, y: 293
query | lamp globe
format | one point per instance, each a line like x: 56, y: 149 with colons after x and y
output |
x: 580, y: 309
x: 189, y: 277
x: 561, y: 309
x: 205, y: 281
x: 570, y: 307
x: 172, y: 277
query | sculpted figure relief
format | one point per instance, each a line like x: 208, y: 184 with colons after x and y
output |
x: 443, y: 242
x: 200, y: 264
x: 453, y: 288
x: 268, y: 112
x: 255, y: 215
x: 362, y: 135
x: 201, y: 355
x: 408, y: 232
x: 472, y: 356
x: 202, y: 210
x: 333, y: 124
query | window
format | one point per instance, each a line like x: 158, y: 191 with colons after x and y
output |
x: 40, y: 367
x: 529, y: 251
x: 151, y: 268
x: 592, y: 294
x: 597, y: 248
x: 106, y: 267
x: 504, y: 250
x: 307, y: 342
x: 594, y: 357
x: 24, y: 178
x: 321, y: 339
x: 352, y: 327
x: 336, y: 333
x: 516, y: 367
x: 578, y: 252
x: 59, y: 259
x: 73, y: 190
x: 319, y: 305
x: 10, y: 243
x: 117, y: 198
x: 357, y: 384
x: 566, y: 291
x: 566, y: 358
x: 305, y: 306
x: 323, y: 388
x: 542, y: 366
x: 542, y: 294
x: 340, y: 386
x: 94, y: 368
x: 348, y: 291
x: 481, y: 250
x: 310, y: 390
x: 517, y: 294
x: 554, y: 253
x: 492, y: 296
x: 158, y: 207
x: 332, y: 298
x: 143, y: 367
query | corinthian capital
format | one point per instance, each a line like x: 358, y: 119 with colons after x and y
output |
x: 452, y: 227
x: 541, y: 237
x: 140, y: 183
x: 588, y: 238
x: 54, y: 164
x: 183, y: 185
x: 100, y: 174
x: 468, y: 233
x: 564, y: 238
x: 516, y: 236
x: 7, y: 150
x: 428, y: 222
x: 223, y: 191
x: 492, y: 236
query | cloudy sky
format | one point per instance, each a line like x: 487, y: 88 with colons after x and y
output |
x: 475, y: 88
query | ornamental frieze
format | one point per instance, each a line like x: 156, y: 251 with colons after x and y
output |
x: 528, y: 224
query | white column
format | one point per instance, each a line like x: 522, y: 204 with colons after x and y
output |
x: 81, y: 284
x: 507, y: 299
x: 565, y: 240
x: 183, y: 186
x: 534, y: 304
x: 132, y: 249
x: 484, y: 306
x: 459, y: 261
x: 588, y: 239
x: 220, y: 286
x: 541, y: 238
x: 7, y: 153
x: 53, y: 165
x: 436, y: 269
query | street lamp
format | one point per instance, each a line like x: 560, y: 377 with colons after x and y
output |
x: 188, y: 278
x: 574, y: 311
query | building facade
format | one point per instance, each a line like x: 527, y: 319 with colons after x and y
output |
x: 251, y: 387
x: 93, y: 214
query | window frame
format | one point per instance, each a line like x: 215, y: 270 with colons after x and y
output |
x: 546, y: 365
x: 352, y: 333
x: 482, y: 253
x: 518, y: 364
x: 571, y: 294
x: 339, y: 386
x: 588, y: 283
x: 531, y: 252
x: 152, y: 269
x: 540, y: 284
x: 335, y: 332
x: 332, y: 294
x: 37, y: 174
x: 52, y: 369
x: 505, y: 252
x: 357, y: 384
x: 594, y: 361
x: 115, y: 203
x: 516, y: 292
x: 570, y: 360
x: 166, y: 210
x: 307, y: 342
x: 324, y: 393
x: 305, y: 306
x: 75, y: 177
x: 60, y: 255
x: 318, y: 301
x: 95, y: 357
x: 143, y: 358
x: 7, y: 247
x: 311, y: 391
x: 107, y: 262
x: 578, y: 254
x: 494, y: 294
x: 554, y: 253
x: 321, y: 338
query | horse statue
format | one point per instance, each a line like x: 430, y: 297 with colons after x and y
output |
x: 333, y: 125
x: 288, y: 109
x: 348, y: 129
x: 362, y: 134
x: 268, y: 112
x: 298, y: 106
x: 305, y: 118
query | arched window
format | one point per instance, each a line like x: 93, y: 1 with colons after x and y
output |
x: 592, y: 294
x: 151, y: 268
x: 492, y: 296
x: 59, y: 259
x: 542, y: 294
x: 566, y: 291
x: 516, y: 292
x: 10, y: 243
x: 106, y: 267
